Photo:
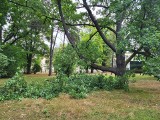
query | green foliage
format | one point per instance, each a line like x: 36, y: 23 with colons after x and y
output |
x: 17, y: 88
x: 93, y: 48
x: 65, y: 60
x: 48, y: 90
x: 152, y: 67
x: 3, y: 11
x: 3, y: 63
x: 36, y: 67
x: 122, y: 81
x: 14, y: 88
x: 16, y: 59
x: 77, y: 86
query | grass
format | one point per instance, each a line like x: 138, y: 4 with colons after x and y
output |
x: 142, y: 102
x: 31, y: 78
x: 37, y: 78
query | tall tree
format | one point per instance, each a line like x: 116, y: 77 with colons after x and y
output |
x: 52, y: 45
x: 132, y: 21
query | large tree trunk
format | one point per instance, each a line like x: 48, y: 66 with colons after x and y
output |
x: 29, y: 63
x: 120, y: 55
x: 120, y: 61
x: 121, y: 70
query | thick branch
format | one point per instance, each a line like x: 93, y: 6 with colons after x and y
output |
x: 98, y: 27
x: 133, y: 55
x: 103, y: 68
x: 85, y: 24
x: 70, y: 38
x: 72, y: 41
x: 101, y: 6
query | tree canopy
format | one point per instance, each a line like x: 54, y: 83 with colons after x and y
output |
x: 96, y: 29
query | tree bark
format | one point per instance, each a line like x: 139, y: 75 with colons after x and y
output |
x: 53, y: 42
x: 71, y: 39
x: 92, y: 69
x: 51, y: 53
x: 29, y: 63
x: 120, y: 61
x: 108, y: 43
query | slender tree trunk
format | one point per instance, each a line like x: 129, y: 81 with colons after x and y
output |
x: 92, y: 69
x: 29, y: 63
x: 53, y: 42
x: 51, y: 53
x: 64, y: 40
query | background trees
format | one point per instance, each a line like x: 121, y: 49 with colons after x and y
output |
x: 22, y: 33
x: 97, y: 30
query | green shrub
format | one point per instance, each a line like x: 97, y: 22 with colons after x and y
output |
x: 36, y: 68
x: 17, y: 88
x: 50, y: 89
x: 121, y: 82
x: 65, y: 60
x: 152, y: 67
x: 78, y: 86
x: 14, y: 88
x: 34, y: 90
x: 16, y: 59
x: 47, y: 90
x: 78, y: 91
x: 3, y: 64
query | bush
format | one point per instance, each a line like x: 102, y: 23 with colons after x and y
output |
x: 36, y: 68
x: 3, y: 64
x: 152, y: 67
x: 16, y: 58
x: 77, y: 86
x: 14, y: 88
x: 65, y: 60
x: 17, y: 88
x: 47, y: 90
